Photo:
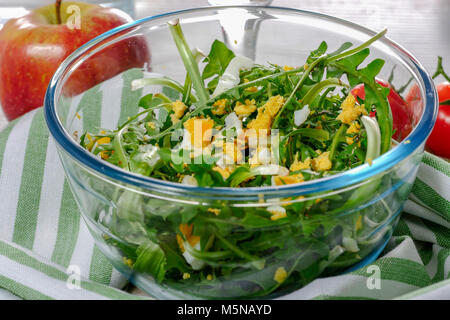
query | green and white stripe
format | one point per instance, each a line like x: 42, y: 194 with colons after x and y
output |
x: 42, y: 234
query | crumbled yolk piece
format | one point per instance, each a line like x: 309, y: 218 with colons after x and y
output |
x: 186, y: 230
x: 280, y: 275
x: 299, y: 165
x: 209, y: 277
x: 128, y: 262
x: 178, y: 108
x: 266, y: 113
x: 104, y: 154
x: 287, y: 68
x: 216, y: 211
x: 244, y: 110
x: 104, y: 140
x: 224, y: 172
x: 186, y: 276
x: 219, y: 107
x: 91, y: 142
x: 353, y: 129
x: 350, y: 110
x: 369, y: 161
x: 277, y: 213
x: 282, y: 180
x: 252, y: 89
x: 322, y: 162
x: 200, y: 131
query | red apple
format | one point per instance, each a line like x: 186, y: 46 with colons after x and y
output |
x: 33, y: 46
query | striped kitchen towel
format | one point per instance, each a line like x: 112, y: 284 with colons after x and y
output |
x: 44, y: 243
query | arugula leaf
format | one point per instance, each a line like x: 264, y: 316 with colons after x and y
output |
x: 151, y: 259
x: 218, y: 59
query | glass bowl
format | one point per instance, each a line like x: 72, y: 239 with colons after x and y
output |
x: 135, y: 219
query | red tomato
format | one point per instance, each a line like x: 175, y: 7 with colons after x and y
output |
x: 415, y: 103
x: 439, y: 141
x: 400, y: 113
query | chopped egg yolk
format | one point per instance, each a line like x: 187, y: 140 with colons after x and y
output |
x: 280, y: 275
x: 200, y: 131
x: 277, y: 212
x: 282, y: 180
x: 299, y: 165
x: 322, y: 162
x: 209, y: 277
x: 266, y: 113
x: 104, y: 140
x: 219, y: 107
x: 353, y: 129
x: 186, y: 230
x: 216, y: 211
x: 287, y: 68
x: 250, y: 89
x: 104, y: 154
x: 350, y: 110
x: 186, y: 276
x: 244, y: 110
x: 224, y: 172
x: 128, y: 262
x: 90, y: 143
x: 178, y: 108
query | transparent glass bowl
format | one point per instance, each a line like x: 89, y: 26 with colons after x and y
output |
x: 124, y: 210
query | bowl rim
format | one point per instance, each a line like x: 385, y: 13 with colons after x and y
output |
x: 359, y: 174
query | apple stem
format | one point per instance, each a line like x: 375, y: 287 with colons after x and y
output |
x: 58, y: 11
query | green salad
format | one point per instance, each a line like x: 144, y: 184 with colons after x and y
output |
x: 235, y: 123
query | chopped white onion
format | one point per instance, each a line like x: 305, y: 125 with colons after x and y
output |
x: 195, y: 263
x: 276, y: 209
x: 190, y: 181
x: 373, y: 137
x: 232, y: 121
x: 301, y: 115
x: 350, y: 244
x: 230, y: 77
x: 270, y: 169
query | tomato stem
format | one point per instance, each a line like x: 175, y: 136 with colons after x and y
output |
x: 440, y: 70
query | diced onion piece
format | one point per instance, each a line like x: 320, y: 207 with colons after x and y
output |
x: 301, y: 115
x: 270, y: 169
x: 232, y: 121
x: 373, y: 137
x: 350, y: 244
x: 230, y: 77
x: 190, y: 181
x: 195, y: 263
